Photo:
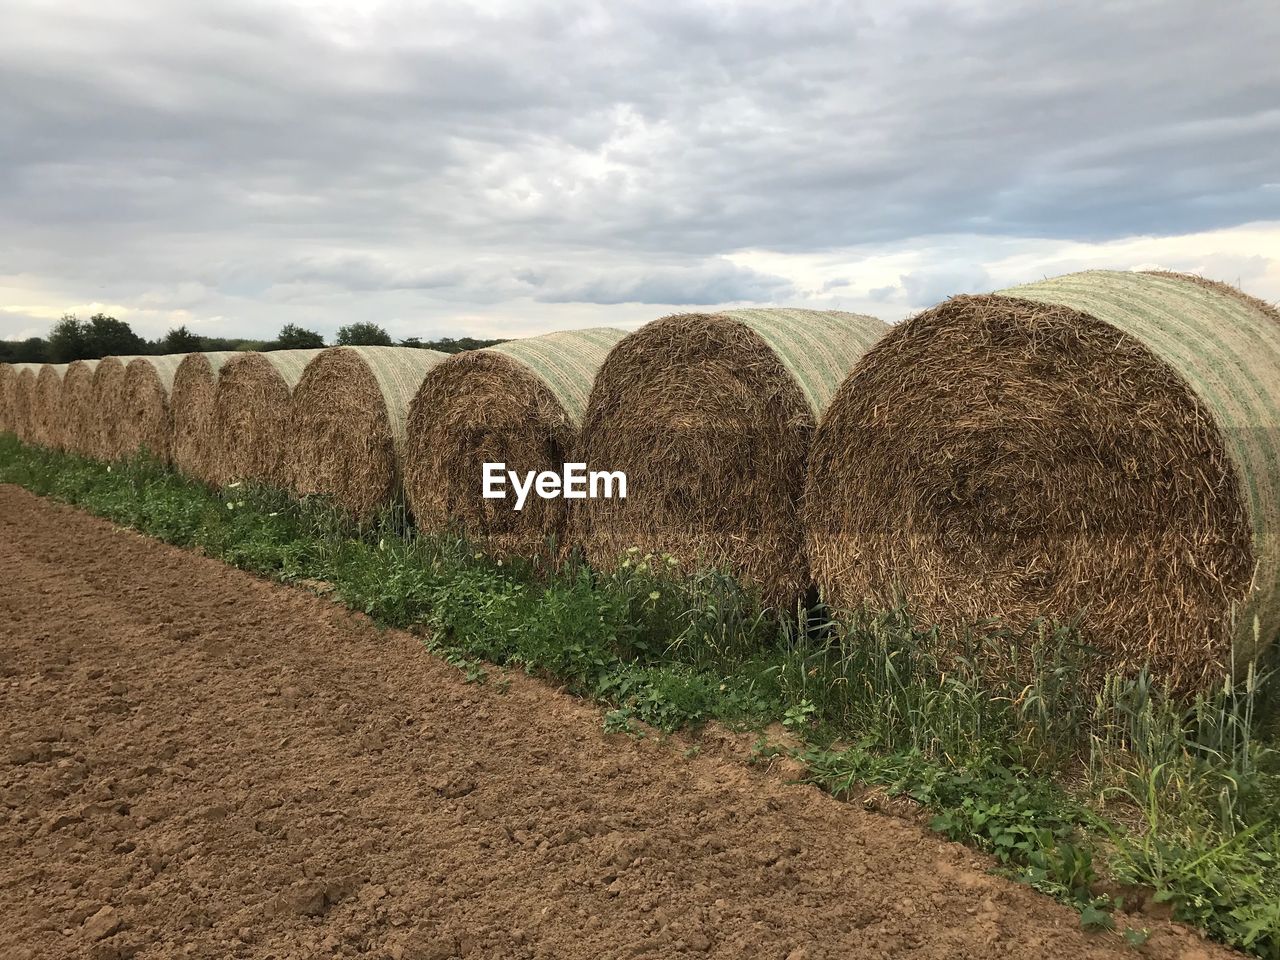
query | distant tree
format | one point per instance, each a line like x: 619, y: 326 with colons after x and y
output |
x: 222, y: 343
x: 252, y: 345
x: 108, y: 336
x: 69, y: 340
x: 413, y: 342
x: 180, y: 340
x: 451, y: 345
x: 363, y: 335
x: 294, y: 337
x: 31, y: 350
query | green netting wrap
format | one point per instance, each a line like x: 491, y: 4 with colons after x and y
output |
x: 251, y: 416
x: 79, y: 424
x: 194, y: 446
x: 46, y: 406
x: 518, y: 403
x: 107, y: 403
x: 347, y: 424
x: 1227, y: 350
x: 146, y: 424
x: 711, y: 417
x: 1100, y: 446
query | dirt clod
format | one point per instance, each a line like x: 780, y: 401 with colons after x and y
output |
x: 102, y: 924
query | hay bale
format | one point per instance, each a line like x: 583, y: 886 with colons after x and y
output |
x: 711, y: 416
x: 251, y: 416
x: 8, y: 382
x: 9, y: 373
x: 347, y: 423
x: 23, y: 405
x: 1101, y: 444
x: 191, y: 403
x: 519, y: 403
x: 6, y: 391
x: 107, y: 400
x: 146, y: 425
x: 46, y: 407
x: 76, y: 410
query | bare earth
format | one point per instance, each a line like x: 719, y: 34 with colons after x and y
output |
x: 195, y: 762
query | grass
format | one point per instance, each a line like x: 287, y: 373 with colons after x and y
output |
x: 1104, y: 795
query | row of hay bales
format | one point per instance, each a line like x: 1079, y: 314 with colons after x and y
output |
x: 1102, y: 444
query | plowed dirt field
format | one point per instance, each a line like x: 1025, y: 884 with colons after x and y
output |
x: 195, y: 762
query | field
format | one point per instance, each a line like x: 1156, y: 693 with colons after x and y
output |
x: 338, y: 761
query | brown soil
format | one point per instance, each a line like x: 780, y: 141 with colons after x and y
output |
x: 194, y: 762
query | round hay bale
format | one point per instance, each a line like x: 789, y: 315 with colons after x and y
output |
x: 1101, y: 445
x: 251, y: 416
x: 9, y: 373
x: 24, y: 398
x: 8, y: 380
x: 146, y: 425
x: 711, y: 416
x: 76, y: 410
x: 347, y: 428
x: 194, y: 446
x: 108, y: 391
x: 519, y: 403
x: 46, y: 408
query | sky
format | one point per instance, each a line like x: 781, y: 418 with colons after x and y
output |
x: 510, y: 168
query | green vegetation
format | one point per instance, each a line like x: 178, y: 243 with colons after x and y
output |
x: 100, y: 336
x: 363, y: 335
x: 449, y: 344
x: 294, y: 337
x: 1106, y: 795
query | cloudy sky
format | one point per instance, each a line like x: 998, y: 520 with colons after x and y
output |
x: 506, y: 168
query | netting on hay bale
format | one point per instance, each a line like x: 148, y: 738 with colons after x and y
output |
x: 711, y: 417
x: 251, y: 416
x: 348, y: 416
x: 519, y: 403
x: 46, y: 407
x: 75, y: 408
x: 146, y: 423
x: 107, y: 400
x: 191, y: 406
x: 1101, y: 444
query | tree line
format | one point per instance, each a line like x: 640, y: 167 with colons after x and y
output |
x: 102, y: 336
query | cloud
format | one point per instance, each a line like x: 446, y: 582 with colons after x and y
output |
x: 709, y: 282
x: 251, y: 161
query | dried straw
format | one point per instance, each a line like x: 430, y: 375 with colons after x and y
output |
x: 146, y: 425
x: 76, y: 411
x: 711, y: 417
x: 108, y: 390
x: 46, y: 407
x: 519, y: 403
x: 348, y: 416
x: 1101, y: 445
x: 251, y: 416
x: 194, y: 445
x: 8, y: 384
x: 22, y: 409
